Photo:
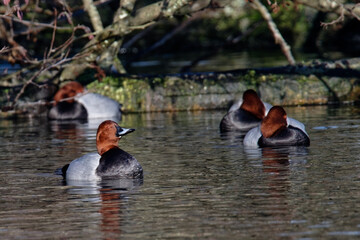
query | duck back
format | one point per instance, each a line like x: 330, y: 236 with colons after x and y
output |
x: 240, y: 120
x: 82, y: 168
x: 290, y: 136
x: 118, y: 163
x: 99, y: 106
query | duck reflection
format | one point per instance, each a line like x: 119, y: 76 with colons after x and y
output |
x: 113, y: 195
x: 234, y: 136
x: 65, y: 133
x: 67, y: 129
x: 73, y: 128
x: 74, y: 133
x: 275, y: 160
x: 276, y: 167
x: 111, y: 213
x: 273, y: 194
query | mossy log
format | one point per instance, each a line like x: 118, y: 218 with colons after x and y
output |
x: 178, y: 94
x: 312, y: 84
x: 306, y: 84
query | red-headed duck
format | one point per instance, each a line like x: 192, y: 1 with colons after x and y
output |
x: 73, y: 102
x: 277, y: 129
x: 245, y: 114
x: 109, y: 161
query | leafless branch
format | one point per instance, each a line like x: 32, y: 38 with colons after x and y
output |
x: 44, y: 67
x: 333, y: 6
x: 4, y: 49
x: 53, y: 34
x: 285, y: 48
x: 95, y: 19
x: 338, y: 20
x: 30, y: 23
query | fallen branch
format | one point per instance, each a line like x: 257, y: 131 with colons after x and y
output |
x: 341, y: 68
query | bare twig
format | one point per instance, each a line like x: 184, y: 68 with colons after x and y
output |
x: 175, y: 31
x: 30, y: 23
x: 4, y: 49
x: 352, y: 11
x: 338, y: 20
x: 43, y: 68
x: 346, y: 9
x: 53, y: 35
x: 285, y: 48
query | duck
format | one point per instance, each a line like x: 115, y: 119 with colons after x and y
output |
x: 245, y: 114
x: 72, y: 101
x: 276, y: 129
x: 109, y: 161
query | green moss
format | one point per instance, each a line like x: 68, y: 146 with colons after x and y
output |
x: 129, y: 92
x: 174, y: 94
x: 251, y: 78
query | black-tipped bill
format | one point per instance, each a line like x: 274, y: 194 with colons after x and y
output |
x: 123, y: 131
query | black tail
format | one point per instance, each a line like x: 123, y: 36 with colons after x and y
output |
x: 62, y: 171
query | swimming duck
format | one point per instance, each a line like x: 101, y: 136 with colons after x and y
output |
x: 73, y: 102
x: 245, y: 114
x: 109, y: 161
x: 277, y: 129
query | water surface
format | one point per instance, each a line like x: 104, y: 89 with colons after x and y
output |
x: 197, y: 184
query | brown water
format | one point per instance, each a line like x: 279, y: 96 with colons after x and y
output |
x: 197, y: 184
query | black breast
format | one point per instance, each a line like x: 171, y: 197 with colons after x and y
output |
x: 290, y: 136
x: 119, y: 164
x: 67, y: 111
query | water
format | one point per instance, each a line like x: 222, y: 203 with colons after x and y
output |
x: 222, y: 61
x: 197, y: 184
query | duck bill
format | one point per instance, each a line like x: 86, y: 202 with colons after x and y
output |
x: 123, y: 131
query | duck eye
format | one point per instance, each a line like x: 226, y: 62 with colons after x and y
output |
x: 118, y: 131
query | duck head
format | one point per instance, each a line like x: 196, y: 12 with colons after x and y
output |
x: 274, y: 121
x: 69, y: 90
x: 253, y: 104
x: 108, y: 135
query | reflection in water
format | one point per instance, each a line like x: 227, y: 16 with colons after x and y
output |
x: 275, y: 160
x: 67, y: 129
x: 113, y: 199
x: 276, y: 164
x: 198, y: 184
x: 274, y: 189
x: 111, y: 214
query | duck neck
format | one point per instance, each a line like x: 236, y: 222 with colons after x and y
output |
x: 256, y: 108
x: 270, y: 128
x: 102, y: 148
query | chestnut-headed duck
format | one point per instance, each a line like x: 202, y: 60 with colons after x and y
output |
x: 245, y: 114
x: 73, y: 102
x: 109, y: 161
x: 277, y: 129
